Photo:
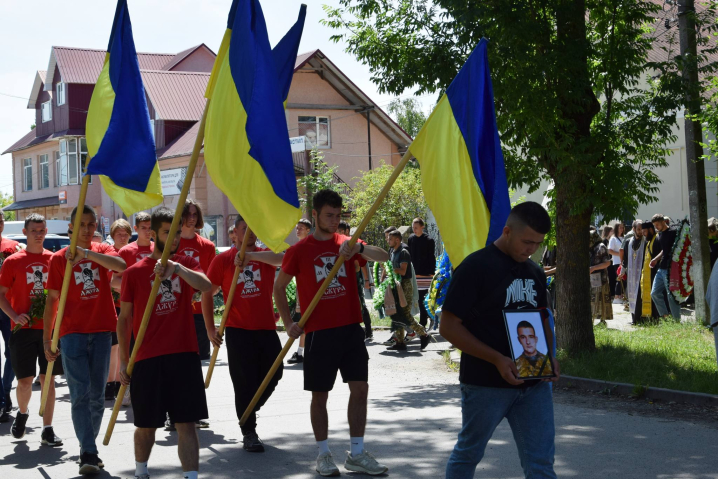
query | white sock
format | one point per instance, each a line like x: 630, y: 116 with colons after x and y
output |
x: 357, y: 446
x: 323, y: 446
x: 300, y: 351
x: 191, y: 475
x: 27, y: 411
x: 140, y: 468
x: 45, y: 427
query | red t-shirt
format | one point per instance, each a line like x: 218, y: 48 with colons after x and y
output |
x: 89, y: 307
x: 7, y: 246
x: 311, y: 261
x: 25, y: 274
x: 171, y: 326
x: 134, y: 253
x: 252, y: 306
x: 202, y: 250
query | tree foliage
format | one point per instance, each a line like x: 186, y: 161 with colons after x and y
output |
x: 408, y: 114
x: 7, y: 199
x: 404, y: 202
x: 578, y: 102
x: 321, y: 176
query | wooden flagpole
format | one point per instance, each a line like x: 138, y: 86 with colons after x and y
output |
x: 340, y: 261
x: 227, y: 307
x: 156, y: 283
x: 64, y: 290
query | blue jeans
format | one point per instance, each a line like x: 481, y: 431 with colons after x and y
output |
x: 660, y: 285
x: 530, y: 415
x: 7, y: 373
x: 86, y: 360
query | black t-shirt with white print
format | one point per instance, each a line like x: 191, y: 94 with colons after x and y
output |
x: 485, y: 284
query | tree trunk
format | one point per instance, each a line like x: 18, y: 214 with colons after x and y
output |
x: 574, y: 326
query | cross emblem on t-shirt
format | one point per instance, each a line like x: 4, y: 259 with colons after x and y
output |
x: 249, y: 276
x: 38, y: 277
x: 323, y: 271
x: 189, y: 252
x: 87, y: 276
x: 168, y: 287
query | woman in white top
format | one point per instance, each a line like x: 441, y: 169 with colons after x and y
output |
x: 614, y: 248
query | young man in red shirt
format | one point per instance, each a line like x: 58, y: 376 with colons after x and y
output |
x: 133, y: 253
x: 304, y: 227
x: 335, y: 340
x: 24, y: 275
x: 204, y: 251
x: 86, y: 330
x: 252, y: 340
x: 167, y: 378
x: 6, y: 245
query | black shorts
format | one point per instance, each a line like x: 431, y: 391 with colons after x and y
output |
x: 26, y: 350
x: 336, y: 349
x: 172, y: 384
x: 114, y: 338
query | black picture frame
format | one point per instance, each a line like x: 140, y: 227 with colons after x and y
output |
x: 542, y: 366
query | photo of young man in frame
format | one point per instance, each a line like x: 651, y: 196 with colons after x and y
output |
x: 529, y: 348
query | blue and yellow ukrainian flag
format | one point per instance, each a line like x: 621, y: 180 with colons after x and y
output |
x: 462, y: 167
x: 246, y: 143
x: 120, y: 142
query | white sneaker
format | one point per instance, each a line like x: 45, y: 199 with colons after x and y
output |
x: 326, y: 466
x: 365, y: 463
x: 126, y: 399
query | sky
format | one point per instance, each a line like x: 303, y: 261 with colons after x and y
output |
x: 29, y: 29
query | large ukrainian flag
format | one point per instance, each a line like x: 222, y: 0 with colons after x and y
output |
x: 120, y: 142
x: 246, y: 144
x: 462, y: 167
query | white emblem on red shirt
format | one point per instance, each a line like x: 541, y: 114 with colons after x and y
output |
x: 168, y: 299
x: 38, y: 277
x: 323, y: 270
x: 87, y: 277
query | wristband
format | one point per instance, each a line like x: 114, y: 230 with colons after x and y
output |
x: 361, y: 248
x: 87, y: 253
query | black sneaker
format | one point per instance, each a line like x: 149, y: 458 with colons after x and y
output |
x: 117, y: 385
x: 109, y: 391
x: 49, y: 438
x: 89, y: 463
x: 296, y: 358
x: 252, y: 443
x: 4, y: 415
x: 397, y: 347
x: 424, y: 340
x: 201, y: 424
x: 18, y: 426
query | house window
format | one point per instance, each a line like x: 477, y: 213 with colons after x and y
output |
x: 47, y: 111
x: 44, y: 172
x: 27, y: 174
x: 62, y: 164
x: 73, y: 169
x: 316, y: 129
x: 83, y: 158
x: 60, y: 94
x: 57, y: 168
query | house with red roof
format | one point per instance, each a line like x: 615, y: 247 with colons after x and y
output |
x: 324, y: 109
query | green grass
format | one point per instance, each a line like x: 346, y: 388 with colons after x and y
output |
x: 665, y: 355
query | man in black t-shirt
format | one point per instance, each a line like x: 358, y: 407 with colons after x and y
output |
x: 423, y: 258
x: 472, y: 319
x: 660, y: 283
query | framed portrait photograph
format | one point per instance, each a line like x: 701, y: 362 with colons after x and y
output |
x: 529, y: 348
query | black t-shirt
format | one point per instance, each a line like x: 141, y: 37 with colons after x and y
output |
x: 399, y: 257
x: 485, y: 284
x: 423, y: 258
x: 667, y: 239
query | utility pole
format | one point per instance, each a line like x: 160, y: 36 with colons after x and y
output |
x: 695, y: 167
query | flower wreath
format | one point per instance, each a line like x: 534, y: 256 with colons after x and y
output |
x: 380, y: 288
x: 439, y: 286
x: 680, y: 281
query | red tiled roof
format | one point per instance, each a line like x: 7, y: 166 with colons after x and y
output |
x: 30, y: 139
x: 176, y: 95
x: 302, y: 58
x: 177, y: 58
x: 83, y: 65
x: 182, y: 146
x: 42, y: 74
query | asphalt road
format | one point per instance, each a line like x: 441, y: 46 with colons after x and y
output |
x: 414, y: 417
